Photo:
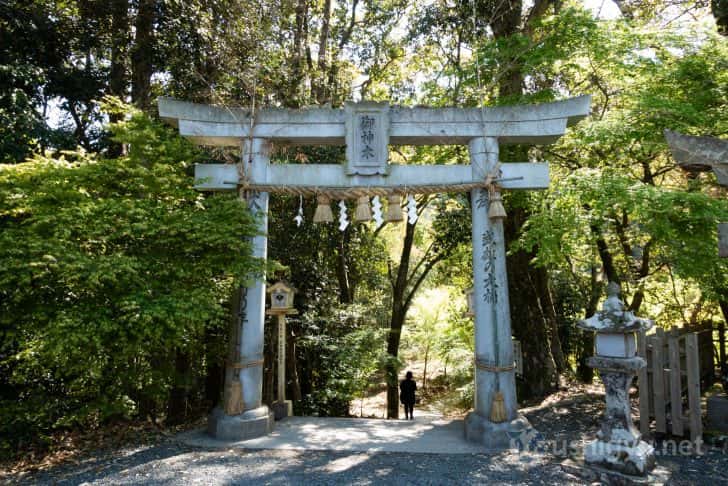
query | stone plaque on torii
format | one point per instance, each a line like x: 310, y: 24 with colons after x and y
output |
x: 367, y: 129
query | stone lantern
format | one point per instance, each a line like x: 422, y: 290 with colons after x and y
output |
x: 618, y: 446
x: 281, y: 305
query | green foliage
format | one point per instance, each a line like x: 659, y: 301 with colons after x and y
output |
x: 438, y: 328
x: 616, y: 194
x: 344, y: 348
x: 20, y: 124
x: 49, y: 60
x: 679, y: 227
x: 681, y: 224
x: 107, y: 268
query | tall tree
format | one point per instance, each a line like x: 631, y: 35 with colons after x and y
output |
x: 142, y: 53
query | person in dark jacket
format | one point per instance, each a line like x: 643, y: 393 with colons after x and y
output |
x: 407, y: 389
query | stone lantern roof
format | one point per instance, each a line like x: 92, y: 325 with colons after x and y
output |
x: 613, y: 318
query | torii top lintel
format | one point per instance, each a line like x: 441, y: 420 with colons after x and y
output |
x: 367, y: 129
x: 224, y: 126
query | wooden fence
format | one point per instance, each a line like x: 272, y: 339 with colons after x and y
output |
x: 670, y: 384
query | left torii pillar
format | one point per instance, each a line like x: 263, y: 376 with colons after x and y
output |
x: 255, y: 419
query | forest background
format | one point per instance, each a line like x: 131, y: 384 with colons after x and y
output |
x: 116, y: 276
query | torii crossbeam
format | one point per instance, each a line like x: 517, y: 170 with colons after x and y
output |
x: 368, y: 129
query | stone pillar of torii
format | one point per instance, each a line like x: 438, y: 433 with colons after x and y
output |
x: 368, y: 129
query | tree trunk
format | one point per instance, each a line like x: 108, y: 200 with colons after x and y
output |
x: 297, y: 54
x: 721, y: 339
x: 530, y: 325
x: 117, y: 73
x: 346, y: 294
x: 546, y: 305
x: 233, y: 344
x: 334, y: 66
x: 533, y: 317
x: 719, y: 9
x: 214, y: 374
x: 119, y: 45
x: 178, y: 396
x: 399, y: 313
x: 585, y: 347
x: 721, y: 350
x: 292, y: 367
x: 605, y: 256
x: 424, y: 370
x: 142, y: 52
x: 392, y: 370
x: 320, y: 84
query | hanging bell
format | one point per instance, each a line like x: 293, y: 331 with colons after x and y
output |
x: 495, y: 208
x: 394, y: 208
x: 498, y: 409
x: 323, y: 212
x: 363, y: 212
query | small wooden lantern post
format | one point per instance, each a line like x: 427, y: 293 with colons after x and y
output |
x: 281, y: 305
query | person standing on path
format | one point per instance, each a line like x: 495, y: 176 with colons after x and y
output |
x: 407, y: 389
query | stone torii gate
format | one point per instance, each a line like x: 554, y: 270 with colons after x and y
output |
x: 367, y: 129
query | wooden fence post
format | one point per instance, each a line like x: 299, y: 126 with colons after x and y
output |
x: 673, y: 349
x: 693, y: 364
x: 658, y: 379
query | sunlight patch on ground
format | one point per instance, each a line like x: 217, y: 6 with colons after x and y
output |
x: 342, y: 464
x: 425, y: 434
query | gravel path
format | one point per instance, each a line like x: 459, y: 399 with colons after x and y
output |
x: 572, y: 419
x: 169, y: 464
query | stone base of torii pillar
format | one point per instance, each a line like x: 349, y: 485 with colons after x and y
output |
x: 497, y: 437
x: 248, y: 425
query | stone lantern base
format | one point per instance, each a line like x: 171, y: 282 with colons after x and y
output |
x: 635, y: 460
x: 619, y: 446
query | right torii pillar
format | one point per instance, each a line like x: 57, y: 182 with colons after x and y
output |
x: 494, y: 371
